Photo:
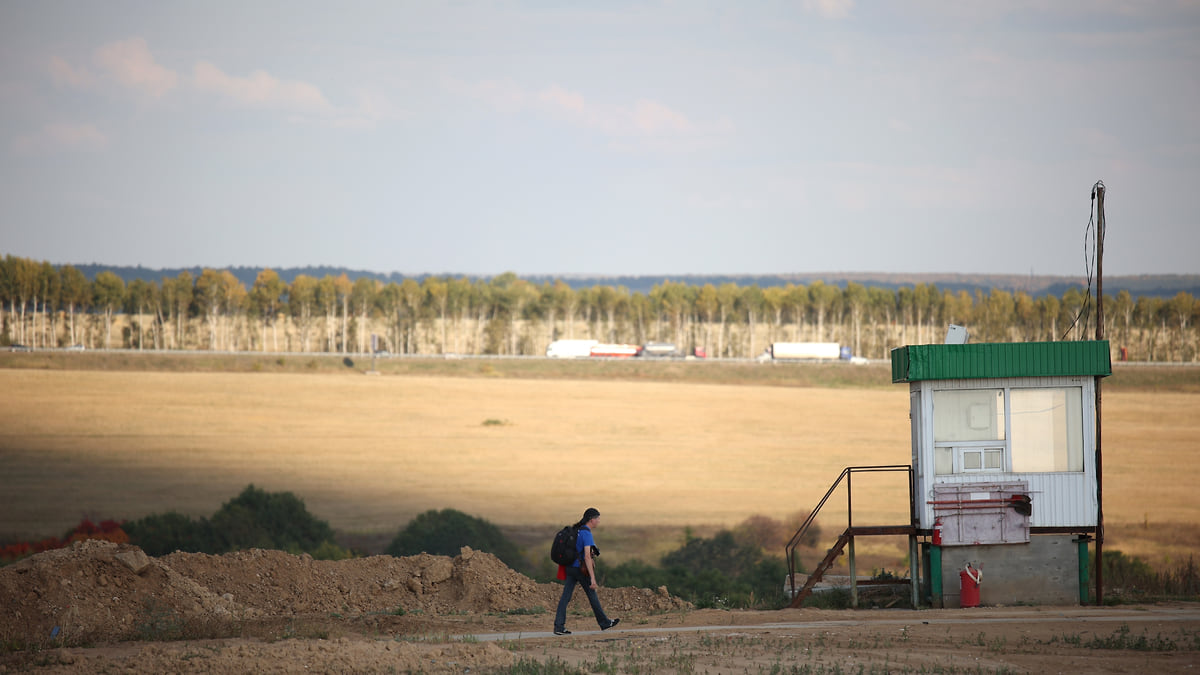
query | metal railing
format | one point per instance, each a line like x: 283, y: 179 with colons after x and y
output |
x: 846, y: 475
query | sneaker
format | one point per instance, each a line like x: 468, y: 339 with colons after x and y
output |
x: 561, y: 631
x: 611, y: 624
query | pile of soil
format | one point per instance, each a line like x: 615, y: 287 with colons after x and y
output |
x: 105, y: 607
x: 100, y: 592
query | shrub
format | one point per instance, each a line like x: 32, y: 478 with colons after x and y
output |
x: 716, y: 572
x: 330, y: 551
x: 637, y: 573
x: 1184, y: 580
x: 108, y: 530
x: 445, y: 532
x: 160, y: 534
x: 260, y: 519
x: 254, y: 519
x: 1131, y: 578
x: 772, y: 535
x: 1123, y: 573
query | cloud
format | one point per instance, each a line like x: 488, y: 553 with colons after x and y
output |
x: 503, y: 95
x: 62, y: 138
x: 569, y: 101
x: 642, y: 118
x: 130, y: 63
x: 374, y: 106
x: 261, y: 90
x: 830, y: 9
x: 652, y: 117
x: 64, y: 73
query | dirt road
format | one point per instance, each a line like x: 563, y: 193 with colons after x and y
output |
x: 102, y: 607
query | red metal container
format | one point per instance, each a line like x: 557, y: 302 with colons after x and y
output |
x: 969, y: 579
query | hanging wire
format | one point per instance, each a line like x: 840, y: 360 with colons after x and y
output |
x: 1090, y: 243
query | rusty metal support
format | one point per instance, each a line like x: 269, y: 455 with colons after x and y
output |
x: 851, y: 531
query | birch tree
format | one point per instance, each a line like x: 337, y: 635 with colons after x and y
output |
x: 751, y: 303
x: 210, y: 294
x: 439, y: 295
x: 363, y: 297
x: 138, y: 298
x: 327, y: 303
x: 301, y: 305
x: 109, y: 294
x: 856, y: 299
x: 266, y: 300
x: 342, y: 288
x: 822, y: 298
x: 178, y: 296
x: 74, y: 296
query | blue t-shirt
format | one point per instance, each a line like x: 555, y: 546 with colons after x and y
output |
x: 583, y: 539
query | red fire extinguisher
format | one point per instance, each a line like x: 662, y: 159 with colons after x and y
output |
x: 969, y: 591
x: 937, y: 532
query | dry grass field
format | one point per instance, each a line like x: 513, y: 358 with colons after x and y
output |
x: 367, y: 453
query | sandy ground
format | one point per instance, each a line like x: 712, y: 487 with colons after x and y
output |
x: 102, y: 607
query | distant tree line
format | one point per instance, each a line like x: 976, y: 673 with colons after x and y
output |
x: 47, y: 306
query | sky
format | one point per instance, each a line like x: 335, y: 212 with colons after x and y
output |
x: 602, y: 138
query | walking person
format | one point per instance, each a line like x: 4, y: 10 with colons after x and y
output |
x: 582, y: 572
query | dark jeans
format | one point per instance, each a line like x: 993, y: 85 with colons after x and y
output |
x: 574, y: 576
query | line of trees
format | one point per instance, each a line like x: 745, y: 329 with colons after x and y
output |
x: 44, y: 306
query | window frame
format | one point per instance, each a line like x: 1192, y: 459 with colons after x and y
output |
x: 959, y: 449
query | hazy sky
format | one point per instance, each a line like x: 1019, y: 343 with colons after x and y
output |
x: 602, y: 137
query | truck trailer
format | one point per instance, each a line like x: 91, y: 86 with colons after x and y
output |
x: 808, y: 350
x: 571, y: 349
x: 614, y: 350
x: 659, y: 350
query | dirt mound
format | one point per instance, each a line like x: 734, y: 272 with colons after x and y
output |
x: 101, y: 592
x: 72, y: 610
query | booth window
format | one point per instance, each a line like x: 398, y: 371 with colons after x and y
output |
x: 968, y: 415
x: 1047, y: 429
x: 967, y: 423
x: 1035, y: 430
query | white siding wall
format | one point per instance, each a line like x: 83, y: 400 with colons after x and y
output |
x: 1059, y: 499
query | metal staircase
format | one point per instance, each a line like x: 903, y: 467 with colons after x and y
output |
x: 847, y: 537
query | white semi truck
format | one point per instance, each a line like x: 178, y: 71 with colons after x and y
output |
x: 817, y: 351
x: 571, y: 349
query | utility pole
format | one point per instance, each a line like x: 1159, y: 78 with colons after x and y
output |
x: 1098, y: 192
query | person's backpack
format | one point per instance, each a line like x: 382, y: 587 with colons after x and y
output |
x: 562, y: 551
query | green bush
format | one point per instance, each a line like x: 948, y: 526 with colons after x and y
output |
x: 275, y: 520
x: 1130, y: 578
x: 254, y: 519
x: 637, y: 573
x: 716, y: 572
x: 1184, y: 580
x: 162, y: 533
x: 445, y: 532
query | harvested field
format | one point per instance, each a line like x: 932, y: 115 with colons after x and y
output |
x: 369, y: 453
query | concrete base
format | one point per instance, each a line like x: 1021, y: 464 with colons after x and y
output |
x: 1043, y: 572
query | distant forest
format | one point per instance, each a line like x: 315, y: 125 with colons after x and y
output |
x: 1163, y: 286
x: 336, y: 310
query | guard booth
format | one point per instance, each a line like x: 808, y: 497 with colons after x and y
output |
x: 1004, y: 467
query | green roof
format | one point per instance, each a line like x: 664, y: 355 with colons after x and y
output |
x: 1003, y: 359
